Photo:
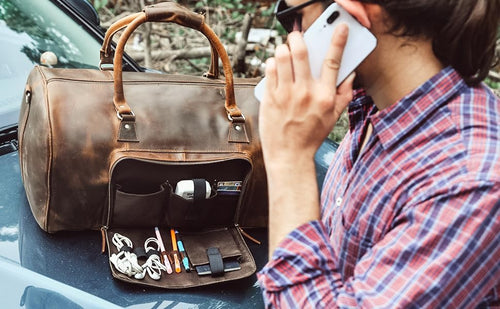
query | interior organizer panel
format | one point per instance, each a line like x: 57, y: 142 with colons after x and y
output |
x: 188, y: 196
x: 232, y: 259
x: 172, y: 224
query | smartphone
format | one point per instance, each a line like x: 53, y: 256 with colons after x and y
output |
x: 360, y: 43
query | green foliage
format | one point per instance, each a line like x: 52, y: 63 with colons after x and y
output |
x: 340, y: 129
x: 492, y: 84
x: 269, y: 12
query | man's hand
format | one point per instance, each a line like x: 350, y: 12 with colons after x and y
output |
x: 297, y: 111
x: 296, y: 114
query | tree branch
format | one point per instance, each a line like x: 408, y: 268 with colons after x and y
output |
x: 193, y: 53
x: 238, y: 62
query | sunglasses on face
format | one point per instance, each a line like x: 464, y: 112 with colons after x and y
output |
x: 291, y: 17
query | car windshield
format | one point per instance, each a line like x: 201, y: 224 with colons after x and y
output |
x: 28, y: 30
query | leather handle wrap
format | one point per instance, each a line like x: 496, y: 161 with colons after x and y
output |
x: 172, y: 12
x: 107, y: 54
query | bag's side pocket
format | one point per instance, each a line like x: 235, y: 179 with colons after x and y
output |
x: 139, y: 208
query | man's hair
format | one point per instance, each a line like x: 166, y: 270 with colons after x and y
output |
x: 463, y: 32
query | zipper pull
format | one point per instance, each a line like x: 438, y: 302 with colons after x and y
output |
x: 247, y: 235
x: 103, y: 238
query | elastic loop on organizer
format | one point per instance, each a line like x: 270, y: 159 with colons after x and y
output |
x: 140, y: 252
x: 215, y: 261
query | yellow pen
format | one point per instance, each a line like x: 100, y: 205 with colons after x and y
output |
x: 175, y: 253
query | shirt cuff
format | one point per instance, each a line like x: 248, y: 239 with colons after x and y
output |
x: 303, y: 255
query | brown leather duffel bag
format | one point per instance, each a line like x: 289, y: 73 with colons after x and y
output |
x: 85, y: 133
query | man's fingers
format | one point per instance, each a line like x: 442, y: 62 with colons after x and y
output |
x: 345, y: 89
x: 331, y: 65
x: 271, y: 76
x: 356, y: 9
x: 284, y: 68
x: 300, y: 58
x: 347, y: 84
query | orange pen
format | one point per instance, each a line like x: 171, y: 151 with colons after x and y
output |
x: 175, y: 253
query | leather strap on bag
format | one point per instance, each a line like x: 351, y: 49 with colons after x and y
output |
x: 107, y: 53
x: 172, y: 12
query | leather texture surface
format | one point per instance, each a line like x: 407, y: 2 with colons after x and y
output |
x: 70, y: 128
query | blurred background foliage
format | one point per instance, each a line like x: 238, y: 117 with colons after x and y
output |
x: 228, y: 18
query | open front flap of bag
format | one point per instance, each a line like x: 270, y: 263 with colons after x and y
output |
x: 194, y: 207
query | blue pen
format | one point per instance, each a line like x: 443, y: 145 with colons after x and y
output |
x: 180, y: 245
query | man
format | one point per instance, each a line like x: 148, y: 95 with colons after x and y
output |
x: 410, y: 208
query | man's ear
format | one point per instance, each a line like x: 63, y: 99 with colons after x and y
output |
x: 356, y: 9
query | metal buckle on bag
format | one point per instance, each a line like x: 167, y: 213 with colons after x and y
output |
x: 237, y: 122
x: 236, y: 119
x: 237, y: 129
x: 127, y: 131
x: 105, y: 66
x: 121, y: 117
x: 106, y: 59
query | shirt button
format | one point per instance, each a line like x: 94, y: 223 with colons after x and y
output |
x: 339, y: 201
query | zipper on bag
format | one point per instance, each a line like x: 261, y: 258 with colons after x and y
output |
x: 103, y: 238
x: 253, y: 239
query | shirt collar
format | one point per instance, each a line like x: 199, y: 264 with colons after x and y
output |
x: 395, y: 122
x: 360, y: 108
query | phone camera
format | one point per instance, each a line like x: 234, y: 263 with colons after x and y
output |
x: 333, y: 17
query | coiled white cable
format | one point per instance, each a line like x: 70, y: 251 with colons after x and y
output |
x: 124, y: 261
x: 153, y: 265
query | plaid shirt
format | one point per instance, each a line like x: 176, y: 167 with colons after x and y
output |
x: 411, y: 222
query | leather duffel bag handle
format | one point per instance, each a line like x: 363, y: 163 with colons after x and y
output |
x: 107, y: 54
x: 168, y: 12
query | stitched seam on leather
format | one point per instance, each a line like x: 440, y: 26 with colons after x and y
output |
x: 49, y: 150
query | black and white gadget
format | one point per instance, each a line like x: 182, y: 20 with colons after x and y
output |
x: 360, y: 43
